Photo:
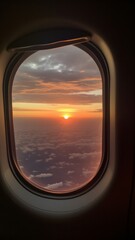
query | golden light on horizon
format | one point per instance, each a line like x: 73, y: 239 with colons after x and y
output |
x: 44, y: 110
x: 66, y: 116
x: 58, y: 96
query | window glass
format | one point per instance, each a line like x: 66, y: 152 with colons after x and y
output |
x: 57, y: 117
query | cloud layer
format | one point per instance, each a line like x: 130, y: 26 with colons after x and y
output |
x: 66, y: 75
x: 58, y: 157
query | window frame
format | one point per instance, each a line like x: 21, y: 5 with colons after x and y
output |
x: 12, y: 67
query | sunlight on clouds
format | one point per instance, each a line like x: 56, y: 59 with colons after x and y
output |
x: 56, y: 110
x: 32, y: 106
x: 97, y: 92
x: 69, y: 110
x: 33, y: 65
x: 55, y: 82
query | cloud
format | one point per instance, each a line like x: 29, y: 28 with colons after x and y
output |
x: 84, y: 155
x: 38, y: 160
x: 52, y: 167
x: 40, y: 148
x: 70, y: 172
x: 26, y: 149
x: 59, y: 98
x: 53, y: 155
x: 48, y: 159
x: 41, y: 175
x: 88, y: 173
x: 61, y: 164
x: 62, y: 75
x: 69, y: 58
x: 78, y: 142
x: 54, y: 186
x: 68, y: 183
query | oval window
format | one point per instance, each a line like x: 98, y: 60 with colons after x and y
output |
x: 57, y: 108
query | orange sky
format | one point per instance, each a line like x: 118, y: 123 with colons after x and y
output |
x: 52, y: 83
x: 59, y: 110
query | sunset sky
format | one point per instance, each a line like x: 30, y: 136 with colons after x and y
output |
x: 57, y: 82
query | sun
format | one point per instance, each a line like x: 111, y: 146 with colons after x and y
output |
x: 66, y: 116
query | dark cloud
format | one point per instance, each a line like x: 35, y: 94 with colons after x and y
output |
x: 55, y: 75
x: 69, y: 58
x: 59, y: 98
x: 51, y: 75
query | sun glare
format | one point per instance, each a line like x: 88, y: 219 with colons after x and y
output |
x: 66, y: 116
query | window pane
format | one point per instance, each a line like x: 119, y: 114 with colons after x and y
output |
x: 57, y: 116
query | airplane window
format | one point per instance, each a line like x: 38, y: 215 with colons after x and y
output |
x: 57, y: 104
